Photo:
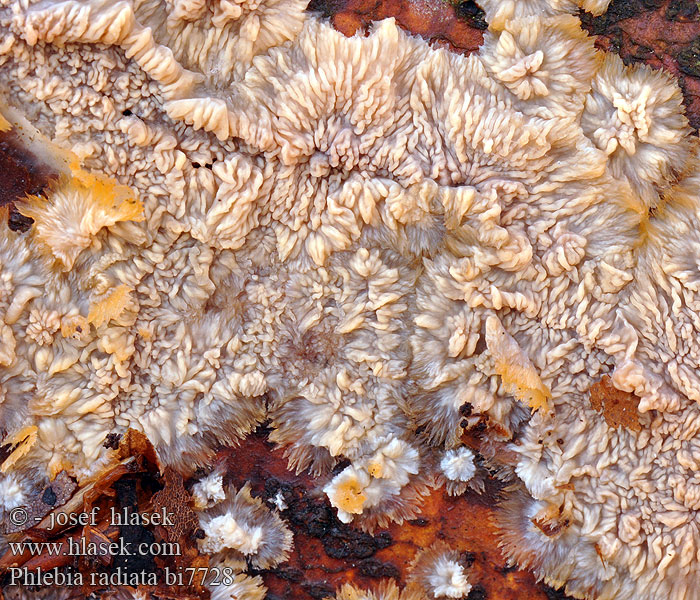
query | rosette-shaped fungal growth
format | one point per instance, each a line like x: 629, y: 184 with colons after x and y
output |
x: 243, y: 527
x: 634, y: 115
x: 16, y: 489
x: 384, y: 591
x: 208, y: 490
x: 225, y: 397
x: 42, y: 325
x: 518, y: 57
x: 498, y: 12
x: 77, y: 209
x: 241, y: 587
x: 220, y: 38
x: 535, y: 535
x: 447, y: 350
x: 457, y: 471
x: 380, y: 487
x: 342, y: 335
x: 439, y: 573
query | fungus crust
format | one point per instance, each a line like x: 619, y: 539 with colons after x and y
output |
x: 372, y: 245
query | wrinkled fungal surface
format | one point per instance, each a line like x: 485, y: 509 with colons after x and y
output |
x: 372, y: 245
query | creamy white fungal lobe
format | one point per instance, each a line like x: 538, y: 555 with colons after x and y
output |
x: 358, y: 239
x: 438, y: 573
x: 448, y: 580
x: 208, y: 490
x: 457, y: 471
x: 14, y: 491
x: 387, y: 590
x: 383, y: 486
x: 243, y: 527
x: 458, y: 464
x: 242, y: 587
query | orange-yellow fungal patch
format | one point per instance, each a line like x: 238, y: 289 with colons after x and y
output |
x: 23, y: 440
x: 110, y: 306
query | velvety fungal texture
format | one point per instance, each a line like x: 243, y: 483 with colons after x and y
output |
x: 256, y: 218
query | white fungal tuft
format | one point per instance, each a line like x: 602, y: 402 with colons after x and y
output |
x: 243, y: 526
x: 370, y: 244
x: 458, y: 464
x: 438, y: 572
